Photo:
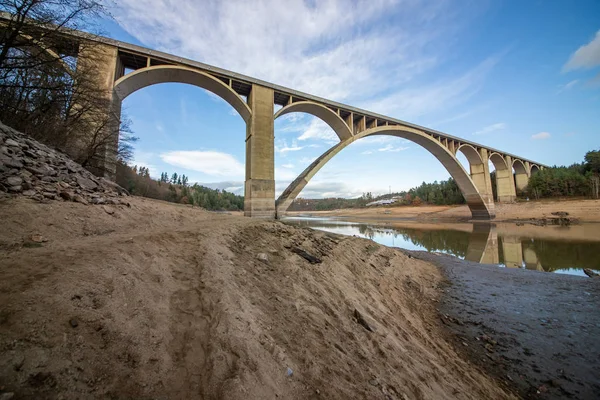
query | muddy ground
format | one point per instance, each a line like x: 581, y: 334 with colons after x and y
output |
x: 162, y: 301
x: 536, y: 332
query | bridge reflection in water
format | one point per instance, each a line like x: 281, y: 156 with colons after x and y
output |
x: 479, y: 242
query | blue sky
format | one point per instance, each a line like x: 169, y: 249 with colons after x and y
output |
x: 521, y: 76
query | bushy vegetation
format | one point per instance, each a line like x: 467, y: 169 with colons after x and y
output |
x: 580, y: 180
x: 174, y: 188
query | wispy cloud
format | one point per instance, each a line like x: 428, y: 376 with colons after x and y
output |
x: 392, y: 148
x: 587, y: 56
x: 319, y: 130
x: 567, y: 86
x: 209, y: 162
x: 541, y: 136
x: 491, y: 128
x: 282, y: 146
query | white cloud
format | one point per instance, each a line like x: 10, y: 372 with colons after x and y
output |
x: 540, y: 136
x: 319, y: 130
x: 491, y: 128
x: 209, y: 162
x: 392, y: 148
x: 424, y: 99
x: 339, y: 49
x: 367, y: 152
x: 587, y: 56
x: 282, y: 147
x: 567, y: 86
x: 145, y: 159
x: 288, y: 166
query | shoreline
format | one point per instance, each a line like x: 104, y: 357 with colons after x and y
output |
x: 582, y: 210
x: 535, y: 332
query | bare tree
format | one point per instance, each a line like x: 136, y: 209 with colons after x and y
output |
x: 47, y: 92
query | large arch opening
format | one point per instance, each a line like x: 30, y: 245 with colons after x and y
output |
x: 187, y: 132
x: 480, y: 207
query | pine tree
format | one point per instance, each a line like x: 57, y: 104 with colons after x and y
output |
x: 174, y: 178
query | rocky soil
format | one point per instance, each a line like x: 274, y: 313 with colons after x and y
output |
x: 36, y: 171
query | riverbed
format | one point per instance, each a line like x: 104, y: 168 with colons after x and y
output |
x: 557, y: 249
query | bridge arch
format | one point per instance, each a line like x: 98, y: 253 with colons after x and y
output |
x: 326, y: 114
x: 480, y: 208
x: 521, y: 175
x: 144, y: 77
x: 505, y: 184
x: 533, y: 169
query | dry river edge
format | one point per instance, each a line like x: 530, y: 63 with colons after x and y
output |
x: 94, y: 305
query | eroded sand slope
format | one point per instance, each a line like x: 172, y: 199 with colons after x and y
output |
x: 165, y: 301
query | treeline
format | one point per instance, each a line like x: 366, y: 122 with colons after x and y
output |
x: 174, y: 188
x: 439, y: 193
x: 579, y: 180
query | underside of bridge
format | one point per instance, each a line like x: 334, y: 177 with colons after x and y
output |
x: 121, y: 69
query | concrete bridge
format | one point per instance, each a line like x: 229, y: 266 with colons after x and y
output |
x: 121, y: 68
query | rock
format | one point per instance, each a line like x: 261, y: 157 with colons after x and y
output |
x: 7, y: 396
x: 66, y: 195
x: 86, y: 183
x: 79, y: 199
x: 98, y: 200
x: 49, y: 195
x: 373, y: 382
x: 42, y: 170
x: 11, y: 162
x: 590, y: 273
x: 37, y: 238
x: 263, y: 257
x: 361, y: 320
x: 11, y: 143
x: 29, y: 193
x: 309, y: 257
x: 15, y: 189
x: 108, y: 210
x: 73, y: 322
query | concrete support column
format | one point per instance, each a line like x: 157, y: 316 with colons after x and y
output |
x: 259, y: 192
x: 98, y: 66
x: 505, y: 184
x: 480, y: 174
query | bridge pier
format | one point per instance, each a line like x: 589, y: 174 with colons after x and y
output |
x: 259, y: 189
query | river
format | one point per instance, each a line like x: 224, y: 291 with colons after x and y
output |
x: 510, y: 246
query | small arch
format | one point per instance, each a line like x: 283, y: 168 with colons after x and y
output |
x: 144, y: 77
x: 471, y: 153
x: 519, y: 167
x: 480, y: 209
x: 533, y: 169
x: 498, y: 161
x: 326, y: 114
x: 521, y: 176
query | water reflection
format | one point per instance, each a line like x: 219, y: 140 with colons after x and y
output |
x: 479, y: 243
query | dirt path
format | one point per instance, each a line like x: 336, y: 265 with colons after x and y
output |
x: 536, y: 331
x: 163, y: 301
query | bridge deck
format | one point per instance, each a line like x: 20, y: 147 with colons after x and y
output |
x: 135, y: 57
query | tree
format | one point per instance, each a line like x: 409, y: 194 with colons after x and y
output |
x: 46, y: 89
x: 174, y: 178
x: 592, y: 166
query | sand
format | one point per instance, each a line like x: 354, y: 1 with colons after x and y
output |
x: 164, y: 301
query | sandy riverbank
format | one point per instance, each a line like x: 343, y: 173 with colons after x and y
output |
x: 583, y: 210
x: 164, y: 301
